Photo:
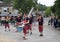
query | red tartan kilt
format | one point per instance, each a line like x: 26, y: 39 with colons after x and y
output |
x: 7, y: 25
x: 29, y: 27
x: 25, y: 29
x: 40, y: 28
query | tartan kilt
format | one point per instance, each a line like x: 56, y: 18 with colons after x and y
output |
x: 25, y: 29
x: 29, y: 27
x: 40, y: 28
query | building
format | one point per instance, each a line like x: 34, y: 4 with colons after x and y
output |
x: 5, y: 8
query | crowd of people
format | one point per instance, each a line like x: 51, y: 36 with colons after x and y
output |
x: 22, y: 20
x: 53, y: 21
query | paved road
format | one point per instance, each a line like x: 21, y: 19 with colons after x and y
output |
x: 50, y: 34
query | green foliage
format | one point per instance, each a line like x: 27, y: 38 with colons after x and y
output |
x: 57, y: 8
x: 7, y: 1
x: 58, y: 13
x: 53, y: 9
x: 40, y: 7
x: 23, y: 6
x: 48, y: 12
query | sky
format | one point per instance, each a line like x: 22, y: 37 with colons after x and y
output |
x: 47, y: 2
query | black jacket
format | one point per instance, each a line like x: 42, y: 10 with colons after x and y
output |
x: 40, y: 21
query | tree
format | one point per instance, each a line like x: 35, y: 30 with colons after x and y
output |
x: 41, y: 7
x: 57, y: 8
x: 53, y: 9
x: 48, y: 12
x: 23, y: 6
x: 7, y: 1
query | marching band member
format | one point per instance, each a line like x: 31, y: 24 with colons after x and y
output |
x: 18, y: 21
x: 25, y: 29
x: 40, y: 23
x: 30, y: 24
x: 7, y: 23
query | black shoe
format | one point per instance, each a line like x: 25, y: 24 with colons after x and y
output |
x: 41, y: 34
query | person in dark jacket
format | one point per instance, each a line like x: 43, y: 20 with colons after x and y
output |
x: 51, y: 20
x: 40, y: 24
x: 55, y: 22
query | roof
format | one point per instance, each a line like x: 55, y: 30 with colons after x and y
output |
x: 3, y: 14
x: 5, y: 5
x: 8, y: 14
x: 2, y: 4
